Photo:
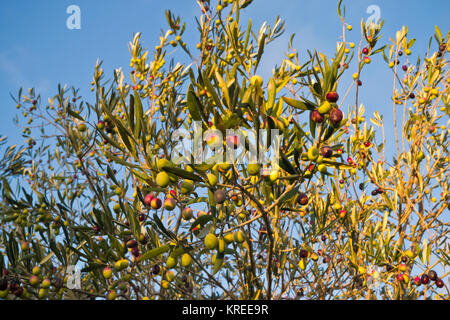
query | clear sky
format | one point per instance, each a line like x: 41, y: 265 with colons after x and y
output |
x: 38, y: 50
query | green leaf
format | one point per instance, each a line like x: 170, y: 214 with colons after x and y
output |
x: 261, y: 45
x: 312, y: 128
x: 37, y: 250
x: 154, y: 252
x: 316, y: 89
x: 138, y: 114
x: 379, y: 49
x: 124, y: 134
x: 335, y: 66
x: 288, y: 195
x: 286, y: 165
x: 278, y: 109
x: 339, y: 165
x: 141, y: 176
x: 160, y: 225
x: 131, y: 217
x: 410, y: 42
x: 12, y: 250
x: 131, y: 116
x: 231, y: 120
x: 300, y: 133
x: 112, y: 141
x: 55, y: 250
x: 298, y: 104
x: 112, y: 175
x: 218, y: 121
x: 183, y: 173
x: 197, y: 200
x: 46, y: 258
x: 223, y: 87
x: 120, y: 160
x: 424, y: 251
x: 180, y: 250
x: 211, y: 90
x: 107, y: 220
x: 271, y: 92
x: 78, y: 252
x: 202, y: 220
x: 327, y: 73
x: 202, y: 166
x: 438, y: 33
x: 2, y: 264
x: 385, y: 220
x: 339, y: 8
x: 194, y: 105
x: 218, y: 262
x: 74, y: 114
x: 92, y: 267
x: 329, y: 133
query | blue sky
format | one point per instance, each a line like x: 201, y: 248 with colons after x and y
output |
x: 38, y: 50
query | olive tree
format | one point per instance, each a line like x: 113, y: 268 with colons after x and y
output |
x: 343, y: 212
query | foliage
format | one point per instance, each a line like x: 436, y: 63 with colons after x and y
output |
x: 316, y: 228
